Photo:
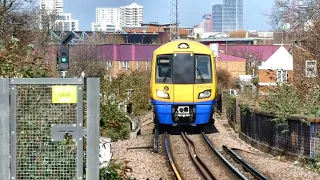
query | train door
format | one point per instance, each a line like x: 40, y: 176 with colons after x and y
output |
x: 183, y: 77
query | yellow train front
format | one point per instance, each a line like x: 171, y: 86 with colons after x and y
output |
x: 183, y: 84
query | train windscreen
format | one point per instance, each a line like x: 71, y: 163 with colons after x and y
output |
x: 183, y: 68
x: 203, y: 72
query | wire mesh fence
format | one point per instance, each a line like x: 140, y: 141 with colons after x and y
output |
x: 42, y: 131
x: 38, y: 157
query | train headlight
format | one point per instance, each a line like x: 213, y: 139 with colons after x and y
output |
x: 162, y: 94
x: 204, y: 94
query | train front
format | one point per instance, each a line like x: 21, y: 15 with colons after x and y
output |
x: 184, y: 85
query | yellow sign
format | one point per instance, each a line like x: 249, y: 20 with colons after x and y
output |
x: 64, y: 94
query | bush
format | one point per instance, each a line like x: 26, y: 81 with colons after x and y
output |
x: 224, y: 79
x: 114, y: 171
x: 286, y: 100
x: 255, y: 81
x: 117, y: 90
x: 113, y: 122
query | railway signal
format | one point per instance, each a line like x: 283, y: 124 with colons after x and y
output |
x: 63, y: 58
x: 63, y: 53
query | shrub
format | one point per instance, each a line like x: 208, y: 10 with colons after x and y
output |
x: 114, y: 171
x: 224, y: 79
x: 117, y: 90
x: 286, y: 100
x: 113, y: 122
x: 255, y: 81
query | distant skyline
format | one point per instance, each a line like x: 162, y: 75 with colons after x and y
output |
x: 190, y: 11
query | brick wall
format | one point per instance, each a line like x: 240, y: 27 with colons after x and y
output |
x: 235, y: 68
x: 269, y: 76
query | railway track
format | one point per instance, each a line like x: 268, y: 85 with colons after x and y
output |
x: 255, y: 174
x: 198, y: 162
x: 202, y: 168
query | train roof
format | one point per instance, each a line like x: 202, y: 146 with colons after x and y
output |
x: 194, y: 46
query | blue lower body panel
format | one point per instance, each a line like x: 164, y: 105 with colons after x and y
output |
x: 203, y: 111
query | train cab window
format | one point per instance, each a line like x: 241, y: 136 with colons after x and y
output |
x: 203, y: 69
x: 163, y: 69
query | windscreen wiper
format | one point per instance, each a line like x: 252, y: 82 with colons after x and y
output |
x: 201, y: 77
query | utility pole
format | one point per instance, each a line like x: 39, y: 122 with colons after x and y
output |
x: 63, y: 54
x: 174, y: 22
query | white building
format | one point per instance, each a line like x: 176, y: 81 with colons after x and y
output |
x: 107, y: 20
x: 66, y: 23
x: 109, y: 16
x: 131, y: 15
x: 112, y: 19
x: 52, y: 5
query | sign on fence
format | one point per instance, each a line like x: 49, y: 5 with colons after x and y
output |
x: 64, y: 94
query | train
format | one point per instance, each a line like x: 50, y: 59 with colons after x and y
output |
x: 183, y: 84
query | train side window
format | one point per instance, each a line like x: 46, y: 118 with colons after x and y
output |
x: 163, y: 70
x: 203, y: 65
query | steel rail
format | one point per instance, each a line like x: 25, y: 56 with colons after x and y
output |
x: 244, y: 164
x: 201, y: 167
x: 234, y: 170
x: 167, y: 147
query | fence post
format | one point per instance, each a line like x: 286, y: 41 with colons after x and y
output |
x: 93, y: 128
x: 4, y: 129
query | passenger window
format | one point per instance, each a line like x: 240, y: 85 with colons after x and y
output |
x: 163, y: 68
x: 203, y: 66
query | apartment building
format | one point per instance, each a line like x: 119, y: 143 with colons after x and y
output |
x: 131, y: 15
x: 107, y: 20
x: 113, y: 19
x: 64, y: 21
x: 52, y: 5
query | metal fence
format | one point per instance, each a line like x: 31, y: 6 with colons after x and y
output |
x: 42, y: 123
x: 260, y: 127
x: 299, y: 138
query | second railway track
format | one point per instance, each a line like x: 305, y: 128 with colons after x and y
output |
x: 207, y: 162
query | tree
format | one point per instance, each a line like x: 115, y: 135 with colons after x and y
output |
x: 301, y: 21
x: 238, y: 34
x: 85, y: 58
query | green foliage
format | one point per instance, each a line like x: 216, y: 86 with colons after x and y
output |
x: 285, y: 100
x: 114, y: 171
x: 255, y: 81
x: 17, y: 61
x: 244, y: 108
x: 114, y: 122
x: 311, y: 105
x: 230, y: 101
x: 136, y: 80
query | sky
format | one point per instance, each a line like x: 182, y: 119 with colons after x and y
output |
x: 190, y: 11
